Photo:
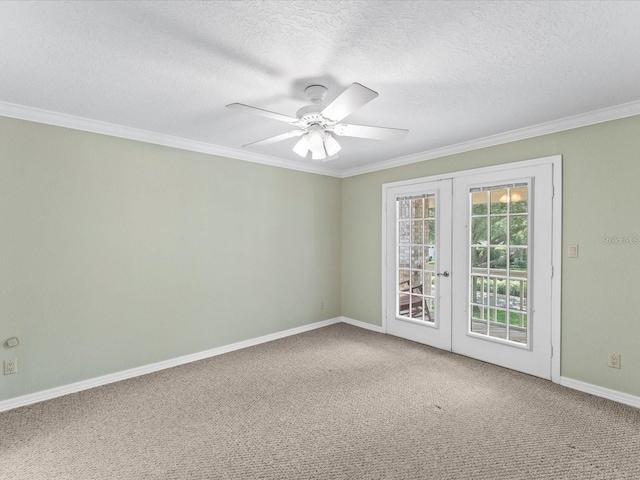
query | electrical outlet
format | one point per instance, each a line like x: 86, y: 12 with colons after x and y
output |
x: 11, y: 366
x: 614, y: 360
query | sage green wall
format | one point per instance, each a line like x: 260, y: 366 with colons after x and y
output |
x: 601, y: 184
x: 116, y: 254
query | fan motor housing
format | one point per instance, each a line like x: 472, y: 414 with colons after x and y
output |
x: 311, y: 115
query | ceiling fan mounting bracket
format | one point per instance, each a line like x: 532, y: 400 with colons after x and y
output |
x: 315, y: 93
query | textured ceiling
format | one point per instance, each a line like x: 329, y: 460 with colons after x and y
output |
x: 450, y: 72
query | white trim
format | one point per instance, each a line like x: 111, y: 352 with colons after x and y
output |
x: 95, y: 126
x: 48, y: 117
x: 576, y: 121
x: 474, y: 171
x: 154, y: 367
x: 359, y: 324
x: 49, y: 394
x: 556, y: 262
x: 607, y: 393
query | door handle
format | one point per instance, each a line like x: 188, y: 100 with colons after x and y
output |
x: 443, y: 274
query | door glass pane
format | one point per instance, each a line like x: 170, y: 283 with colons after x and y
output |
x: 498, y: 234
x: 403, y: 256
x: 404, y: 208
x: 499, y: 260
x: 518, y: 230
x: 479, y: 203
x: 417, y: 258
x: 479, y: 231
x: 417, y: 208
x: 417, y: 232
x: 430, y: 207
x: 404, y: 232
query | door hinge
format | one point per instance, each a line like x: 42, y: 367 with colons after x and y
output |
x: 551, y: 350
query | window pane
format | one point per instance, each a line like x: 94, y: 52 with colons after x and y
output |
x: 498, y: 258
x: 519, y: 200
x: 498, y: 234
x: 417, y: 232
x: 416, y: 306
x: 479, y: 257
x: 430, y: 234
x: 404, y: 232
x: 518, y: 231
x: 417, y: 208
x: 476, y: 289
x: 403, y: 256
x: 479, y: 326
x: 404, y: 208
x: 430, y: 257
x: 417, y: 257
x: 430, y: 206
x: 479, y: 234
x: 518, y: 259
x: 516, y: 294
x: 416, y: 281
x: 498, y: 201
x: 429, y: 310
x: 479, y: 203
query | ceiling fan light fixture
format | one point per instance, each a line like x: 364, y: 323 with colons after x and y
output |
x: 302, y: 146
x: 331, y: 145
x: 319, y: 155
x: 316, y: 142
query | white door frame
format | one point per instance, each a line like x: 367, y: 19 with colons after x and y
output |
x: 556, y: 255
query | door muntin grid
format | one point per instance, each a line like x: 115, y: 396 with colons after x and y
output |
x: 416, y: 258
x: 499, y: 239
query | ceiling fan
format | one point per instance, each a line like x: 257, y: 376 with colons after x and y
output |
x: 316, y: 123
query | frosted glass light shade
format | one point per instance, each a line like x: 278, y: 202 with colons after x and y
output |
x: 331, y: 145
x: 302, y: 146
x: 319, y: 155
x: 316, y: 143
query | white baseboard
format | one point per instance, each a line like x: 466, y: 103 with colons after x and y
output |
x: 51, y: 393
x: 154, y: 367
x: 614, y: 395
x: 365, y: 325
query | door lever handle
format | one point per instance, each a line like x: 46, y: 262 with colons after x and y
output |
x: 443, y: 274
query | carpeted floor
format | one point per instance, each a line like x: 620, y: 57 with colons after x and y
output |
x: 334, y: 403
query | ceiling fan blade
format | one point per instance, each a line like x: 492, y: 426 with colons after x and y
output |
x: 264, y: 113
x: 277, y: 138
x: 354, y: 97
x: 375, y: 133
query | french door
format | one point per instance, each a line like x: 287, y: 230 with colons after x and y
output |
x: 468, y: 265
x: 503, y: 244
x: 419, y: 262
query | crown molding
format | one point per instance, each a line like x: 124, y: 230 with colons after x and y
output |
x: 576, y: 121
x: 95, y: 126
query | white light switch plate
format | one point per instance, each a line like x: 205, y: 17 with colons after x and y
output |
x: 573, y: 251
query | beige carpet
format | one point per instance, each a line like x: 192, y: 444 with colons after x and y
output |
x: 335, y: 403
